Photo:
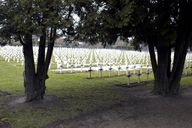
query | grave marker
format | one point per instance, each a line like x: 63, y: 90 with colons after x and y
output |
x: 128, y: 77
x: 139, y: 76
x: 110, y: 70
x: 100, y: 72
x: 119, y: 69
x: 90, y: 71
x: 147, y: 72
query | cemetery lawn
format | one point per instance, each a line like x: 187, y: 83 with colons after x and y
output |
x: 68, y: 96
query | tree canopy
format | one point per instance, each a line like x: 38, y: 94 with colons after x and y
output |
x: 103, y: 21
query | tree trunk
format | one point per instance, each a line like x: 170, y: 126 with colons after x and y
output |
x: 40, y: 81
x: 34, y: 82
x: 153, y: 58
x: 167, y: 80
x: 40, y: 90
x: 179, y: 61
x: 29, y: 70
x: 162, y: 81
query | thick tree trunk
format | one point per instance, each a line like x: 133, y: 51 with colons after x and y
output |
x: 40, y: 90
x: 40, y: 81
x: 162, y: 82
x: 178, y: 65
x: 34, y: 82
x: 29, y: 70
x: 167, y: 80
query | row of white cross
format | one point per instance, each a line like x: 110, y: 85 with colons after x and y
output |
x: 82, y: 59
x: 67, y: 58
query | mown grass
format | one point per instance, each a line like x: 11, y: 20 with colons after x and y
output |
x: 78, y: 95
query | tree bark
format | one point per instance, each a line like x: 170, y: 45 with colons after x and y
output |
x: 178, y: 65
x: 162, y: 81
x: 40, y: 81
x: 29, y: 70
x: 49, y: 51
x: 153, y: 58
x: 34, y: 81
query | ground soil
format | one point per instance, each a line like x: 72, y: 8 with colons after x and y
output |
x: 4, y: 123
x: 143, y: 110
x: 3, y: 93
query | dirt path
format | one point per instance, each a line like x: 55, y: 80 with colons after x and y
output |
x: 143, y: 110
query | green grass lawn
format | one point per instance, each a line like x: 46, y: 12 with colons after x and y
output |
x: 78, y: 95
